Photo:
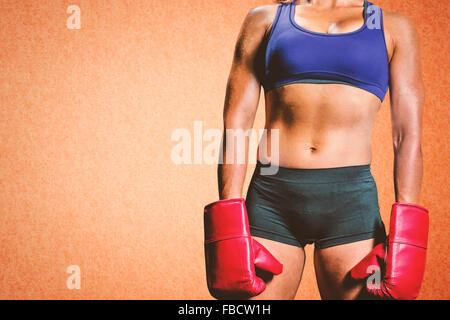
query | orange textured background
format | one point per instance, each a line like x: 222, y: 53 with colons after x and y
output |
x: 86, y: 118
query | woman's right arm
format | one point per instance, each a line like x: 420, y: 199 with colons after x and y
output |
x: 241, y: 101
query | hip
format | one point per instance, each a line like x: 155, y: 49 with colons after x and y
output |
x: 319, y: 191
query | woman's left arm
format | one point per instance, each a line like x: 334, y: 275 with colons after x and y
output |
x: 407, y: 94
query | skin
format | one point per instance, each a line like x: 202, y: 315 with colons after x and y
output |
x: 325, y: 126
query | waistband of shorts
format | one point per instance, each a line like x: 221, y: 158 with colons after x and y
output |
x: 322, y: 175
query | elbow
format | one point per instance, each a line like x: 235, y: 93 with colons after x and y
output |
x: 407, y: 143
x: 238, y: 119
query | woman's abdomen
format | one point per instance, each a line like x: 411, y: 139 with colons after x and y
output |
x: 318, y: 129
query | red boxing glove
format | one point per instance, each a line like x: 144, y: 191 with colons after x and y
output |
x: 401, y: 259
x: 231, y: 254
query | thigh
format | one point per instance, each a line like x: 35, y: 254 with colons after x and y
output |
x: 333, y: 265
x: 285, y: 285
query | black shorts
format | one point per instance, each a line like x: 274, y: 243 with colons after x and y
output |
x: 327, y: 207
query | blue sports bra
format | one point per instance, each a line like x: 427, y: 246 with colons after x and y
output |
x: 296, y: 55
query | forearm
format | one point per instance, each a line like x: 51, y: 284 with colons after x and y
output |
x: 408, y: 170
x: 231, y: 180
x: 232, y: 170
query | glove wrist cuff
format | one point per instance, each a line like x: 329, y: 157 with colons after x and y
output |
x: 225, y: 201
x: 411, y: 205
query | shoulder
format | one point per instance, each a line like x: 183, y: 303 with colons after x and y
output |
x: 261, y: 17
x: 400, y: 27
x: 254, y: 29
x: 398, y: 20
x: 263, y: 12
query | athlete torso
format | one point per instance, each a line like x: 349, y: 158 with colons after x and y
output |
x: 322, y: 125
